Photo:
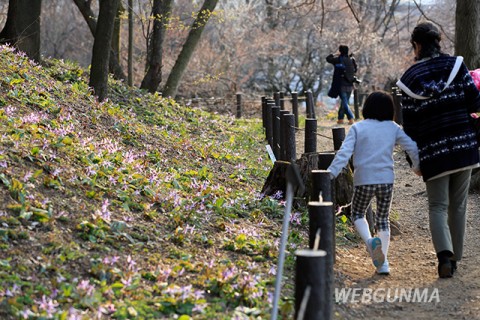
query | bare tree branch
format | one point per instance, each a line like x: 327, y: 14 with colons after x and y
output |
x: 353, y: 10
x: 323, y: 17
x: 431, y: 20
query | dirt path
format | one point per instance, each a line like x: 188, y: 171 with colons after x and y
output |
x: 412, y: 261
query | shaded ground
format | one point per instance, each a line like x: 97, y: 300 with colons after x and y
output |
x: 412, y: 262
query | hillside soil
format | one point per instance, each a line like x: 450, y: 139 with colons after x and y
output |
x: 412, y: 260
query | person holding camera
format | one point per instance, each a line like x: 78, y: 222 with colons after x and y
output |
x: 344, y: 71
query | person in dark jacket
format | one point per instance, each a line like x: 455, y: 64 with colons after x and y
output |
x: 438, y: 97
x: 345, y: 68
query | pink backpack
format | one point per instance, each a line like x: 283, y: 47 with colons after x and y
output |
x: 475, y: 117
x: 476, y: 77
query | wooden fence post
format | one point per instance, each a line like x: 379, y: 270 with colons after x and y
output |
x: 276, y: 131
x: 276, y: 97
x: 264, y: 112
x: 269, y: 122
x: 295, y: 107
x: 356, y: 104
x: 397, y: 98
x: 310, y: 135
x: 310, y: 105
x: 320, y: 218
x: 283, y: 134
x: 311, y: 299
x: 239, y: 105
x: 290, y: 143
x: 325, y: 159
x: 282, y: 100
x: 338, y: 137
x: 323, y: 184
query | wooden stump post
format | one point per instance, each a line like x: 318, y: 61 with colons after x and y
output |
x: 343, y: 189
x: 290, y: 143
x: 313, y: 161
x: 321, y: 222
x: 356, y: 104
x: 397, y: 98
x: 338, y: 137
x: 239, y: 105
x: 308, y: 113
x: 276, y: 131
x: 276, y: 97
x: 283, y: 133
x: 282, y: 100
x: 310, y: 135
x: 310, y: 105
x: 295, y: 107
x: 322, y: 184
x: 307, y: 163
x: 312, y: 302
x: 264, y: 113
x: 320, y: 217
x: 325, y: 159
x: 269, y: 122
x: 277, y: 179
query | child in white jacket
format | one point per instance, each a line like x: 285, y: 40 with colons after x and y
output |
x: 371, y: 142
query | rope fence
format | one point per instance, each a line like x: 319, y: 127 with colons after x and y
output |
x: 314, y: 266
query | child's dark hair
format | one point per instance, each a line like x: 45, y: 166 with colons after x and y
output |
x: 378, y: 106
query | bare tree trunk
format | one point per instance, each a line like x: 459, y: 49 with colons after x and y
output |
x: 161, y: 11
x: 130, y: 42
x: 193, y: 38
x: 271, y: 24
x: 89, y: 16
x: 117, y: 33
x: 22, y: 28
x: 467, y: 32
x: 9, y: 33
x: 102, y: 47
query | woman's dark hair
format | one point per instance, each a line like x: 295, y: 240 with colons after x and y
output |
x: 343, y: 50
x: 378, y: 106
x: 428, y: 36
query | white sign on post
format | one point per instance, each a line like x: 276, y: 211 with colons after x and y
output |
x: 270, y: 153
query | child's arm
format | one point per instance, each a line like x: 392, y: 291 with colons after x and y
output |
x: 344, y: 154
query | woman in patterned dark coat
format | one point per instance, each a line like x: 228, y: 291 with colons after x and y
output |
x: 438, y: 97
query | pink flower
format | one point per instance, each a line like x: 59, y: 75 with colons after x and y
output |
x: 131, y: 262
x: 127, y: 282
x: 26, y: 313
x: 296, y: 218
x: 48, y: 305
x: 27, y: 176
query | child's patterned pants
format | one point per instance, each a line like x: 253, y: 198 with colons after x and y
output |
x: 362, y: 197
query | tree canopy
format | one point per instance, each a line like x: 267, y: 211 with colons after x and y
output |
x: 205, y: 48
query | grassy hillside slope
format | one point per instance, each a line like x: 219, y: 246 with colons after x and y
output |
x: 135, y: 208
